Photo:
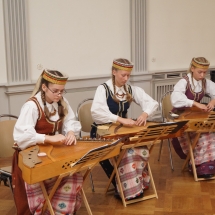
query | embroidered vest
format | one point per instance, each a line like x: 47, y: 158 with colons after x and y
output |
x: 45, y: 125
x: 191, y: 94
x: 119, y: 109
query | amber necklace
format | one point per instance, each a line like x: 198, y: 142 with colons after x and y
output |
x: 53, y: 113
x: 120, y: 95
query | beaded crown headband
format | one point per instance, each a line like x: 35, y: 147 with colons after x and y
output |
x: 200, y: 65
x: 122, y: 66
x: 53, y: 78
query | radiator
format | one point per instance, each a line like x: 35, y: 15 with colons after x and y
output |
x: 162, y: 83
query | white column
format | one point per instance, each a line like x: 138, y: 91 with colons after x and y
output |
x: 138, y: 34
x: 16, y: 40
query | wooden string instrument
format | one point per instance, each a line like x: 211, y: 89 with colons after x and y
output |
x: 152, y: 131
x: 199, y: 120
x: 63, y: 159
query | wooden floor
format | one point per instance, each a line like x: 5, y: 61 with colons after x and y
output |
x: 178, y: 193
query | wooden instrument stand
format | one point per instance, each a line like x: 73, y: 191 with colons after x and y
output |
x: 199, y: 122
x: 62, y: 161
x: 146, y: 136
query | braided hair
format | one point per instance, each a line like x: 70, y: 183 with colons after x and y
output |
x: 128, y: 95
x: 62, y: 106
x: 199, y: 60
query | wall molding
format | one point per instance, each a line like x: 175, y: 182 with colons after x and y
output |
x: 90, y: 83
x: 73, y: 85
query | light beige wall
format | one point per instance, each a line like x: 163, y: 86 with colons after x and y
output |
x: 80, y: 37
x: 178, y: 30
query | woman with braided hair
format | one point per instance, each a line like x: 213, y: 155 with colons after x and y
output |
x: 188, y: 92
x: 46, y: 118
x: 111, y: 103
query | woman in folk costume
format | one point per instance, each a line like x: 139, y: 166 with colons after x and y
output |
x: 46, y: 118
x: 188, y: 92
x: 111, y: 102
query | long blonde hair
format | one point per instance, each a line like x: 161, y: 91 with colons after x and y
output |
x: 201, y: 61
x: 62, y: 105
x: 128, y: 95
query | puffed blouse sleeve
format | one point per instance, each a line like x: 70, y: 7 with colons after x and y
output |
x: 100, y: 110
x: 70, y: 122
x: 178, y: 97
x: 24, y: 132
x: 146, y: 102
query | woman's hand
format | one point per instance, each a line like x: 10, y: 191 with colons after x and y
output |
x: 70, y: 138
x: 141, y: 120
x: 60, y: 139
x: 126, y: 121
x: 211, y: 105
x: 200, y: 106
x: 57, y: 139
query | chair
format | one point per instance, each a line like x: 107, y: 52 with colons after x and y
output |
x: 166, y: 106
x: 86, y: 120
x: 6, y: 139
x: 206, y: 99
x: 84, y: 115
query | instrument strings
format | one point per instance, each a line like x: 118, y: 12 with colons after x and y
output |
x: 95, y: 139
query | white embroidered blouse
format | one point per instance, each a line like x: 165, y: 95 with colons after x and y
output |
x: 100, y: 111
x: 25, y: 134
